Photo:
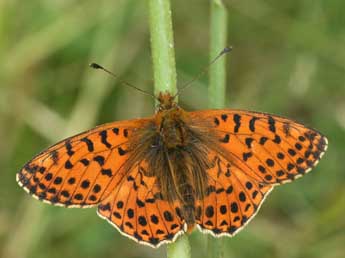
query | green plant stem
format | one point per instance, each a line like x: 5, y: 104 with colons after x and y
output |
x: 162, y: 47
x: 218, y: 35
x: 179, y: 249
x: 217, y: 86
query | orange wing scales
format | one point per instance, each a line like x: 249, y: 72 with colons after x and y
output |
x: 137, y: 210
x: 79, y: 171
x: 270, y: 149
x: 259, y: 151
x: 232, y: 199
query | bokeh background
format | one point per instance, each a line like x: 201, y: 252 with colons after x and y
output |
x: 288, y: 59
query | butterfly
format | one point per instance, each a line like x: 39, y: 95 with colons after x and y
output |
x: 156, y: 178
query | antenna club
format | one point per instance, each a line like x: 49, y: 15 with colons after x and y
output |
x: 226, y: 50
x: 96, y: 66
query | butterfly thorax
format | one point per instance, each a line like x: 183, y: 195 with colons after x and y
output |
x: 170, y: 125
x: 171, y: 122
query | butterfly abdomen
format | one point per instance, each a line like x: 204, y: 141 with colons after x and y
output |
x: 181, y: 172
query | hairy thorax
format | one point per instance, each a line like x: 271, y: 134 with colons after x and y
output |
x: 171, y: 126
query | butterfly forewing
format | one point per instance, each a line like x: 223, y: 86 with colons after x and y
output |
x: 81, y: 170
x: 267, y: 148
x: 136, y: 208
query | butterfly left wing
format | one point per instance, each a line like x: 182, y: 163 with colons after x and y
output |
x: 252, y: 152
x: 82, y: 170
x: 137, y: 210
x: 231, y: 200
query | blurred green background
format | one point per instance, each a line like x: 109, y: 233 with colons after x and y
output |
x: 288, y: 59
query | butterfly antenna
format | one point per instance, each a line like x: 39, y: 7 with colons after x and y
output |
x: 97, y: 66
x: 205, y: 70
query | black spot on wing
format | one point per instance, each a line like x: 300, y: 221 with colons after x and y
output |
x: 216, y: 121
x: 125, y: 133
x: 226, y: 138
x: 116, y: 131
x: 106, y: 172
x: 247, y: 155
x: 69, y: 148
x: 252, y: 124
x: 237, y: 120
x: 271, y: 123
x: 277, y: 139
x: 270, y: 162
x: 96, y: 188
x: 280, y: 155
x: 99, y: 159
x: 104, y: 136
x: 54, y: 156
x: 263, y: 140
x: 85, y: 162
x: 249, y: 142
x: 68, y: 164
x: 121, y: 151
x: 89, y: 144
x: 224, y: 117
x: 58, y: 180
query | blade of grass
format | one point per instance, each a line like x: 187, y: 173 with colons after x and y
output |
x: 217, y: 86
x: 179, y: 249
x: 218, y: 35
x: 162, y: 45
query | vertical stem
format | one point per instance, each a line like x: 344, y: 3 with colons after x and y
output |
x: 163, y: 56
x: 179, y: 249
x: 218, y: 34
x: 217, y: 86
x: 162, y: 45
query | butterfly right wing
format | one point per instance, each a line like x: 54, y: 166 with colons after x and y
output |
x: 269, y: 148
x: 81, y: 170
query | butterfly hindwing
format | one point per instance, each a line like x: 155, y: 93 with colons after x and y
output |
x: 81, y: 170
x: 268, y: 148
x: 231, y: 200
x: 137, y: 210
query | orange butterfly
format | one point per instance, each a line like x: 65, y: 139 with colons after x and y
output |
x: 156, y: 178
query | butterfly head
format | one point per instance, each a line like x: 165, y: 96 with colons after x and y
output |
x: 166, y: 101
